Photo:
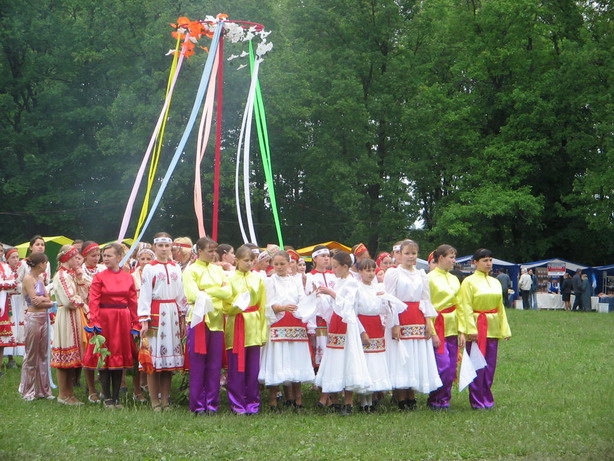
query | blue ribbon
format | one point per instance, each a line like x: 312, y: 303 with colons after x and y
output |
x: 200, y: 94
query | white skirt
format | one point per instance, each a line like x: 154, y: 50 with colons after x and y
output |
x: 413, y: 365
x: 285, y: 362
x: 165, y: 342
x: 345, y: 369
x: 377, y: 364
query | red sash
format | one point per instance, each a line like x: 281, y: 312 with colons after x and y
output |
x: 372, y: 325
x: 337, y: 325
x: 482, y: 325
x: 238, y: 342
x: 440, y: 327
x: 155, y: 311
x: 200, y: 338
x: 412, y: 315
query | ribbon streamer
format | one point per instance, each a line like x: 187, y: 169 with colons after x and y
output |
x: 184, y: 138
x: 265, y: 150
x: 161, y: 120
x: 201, y: 146
x: 218, y: 142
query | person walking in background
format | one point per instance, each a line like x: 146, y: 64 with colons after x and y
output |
x: 566, y: 289
x: 524, y: 284
x: 576, y: 283
x: 533, y: 291
x: 506, y: 284
x: 587, y: 291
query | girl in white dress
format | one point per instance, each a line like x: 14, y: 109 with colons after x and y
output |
x: 343, y: 367
x: 286, y: 358
x: 412, y: 359
x: 161, y: 310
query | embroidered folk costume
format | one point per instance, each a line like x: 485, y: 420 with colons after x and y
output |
x: 481, y: 301
x: 412, y: 359
x: 324, y: 303
x: 8, y: 292
x: 68, y: 347
x: 113, y: 314
x: 450, y: 321
x: 206, y: 339
x: 245, y: 333
x: 161, y: 303
x: 343, y: 366
x: 286, y: 357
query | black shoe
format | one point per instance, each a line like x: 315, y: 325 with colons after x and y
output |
x: 336, y: 407
x: 402, y: 404
x: 346, y: 410
x: 274, y: 409
x: 411, y: 404
x: 300, y: 409
x: 290, y: 403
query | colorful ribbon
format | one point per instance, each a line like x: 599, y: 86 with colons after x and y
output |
x: 440, y: 327
x: 175, y: 68
x: 482, y: 325
x: 218, y: 142
x: 184, y: 138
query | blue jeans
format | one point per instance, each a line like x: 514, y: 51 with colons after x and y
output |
x: 534, y: 300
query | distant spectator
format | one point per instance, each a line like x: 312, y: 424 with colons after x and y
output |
x: 553, y: 286
x: 524, y: 284
x: 534, y: 286
x: 576, y: 282
x: 587, y: 290
x: 506, y: 284
x: 458, y: 273
x: 566, y: 289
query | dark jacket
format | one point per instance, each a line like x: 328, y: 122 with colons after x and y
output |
x: 566, y: 286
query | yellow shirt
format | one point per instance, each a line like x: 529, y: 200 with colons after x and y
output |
x: 479, y: 293
x: 444, y: 293
x: 202, y: 276
x: 255, y: 323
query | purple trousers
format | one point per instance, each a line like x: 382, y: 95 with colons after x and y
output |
x: 480, y: 395
x: 205, y: 371
x: 243, y: 387
x: 446, y: 365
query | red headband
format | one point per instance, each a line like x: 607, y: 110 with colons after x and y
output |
x: 294, y: 255
x: 360, y: 249
x: 431, y: 256
x: 381, y: 257
x: 69, y: 254
x: 182, y: 245
x: 88, y: 249
x: 7, y: 253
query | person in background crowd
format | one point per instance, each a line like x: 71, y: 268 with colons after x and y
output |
x: 458, y: 273
x: 553, y: 286
x: 524, y: 285
x: 566, y: 289
x: 577, y: 290
x: 587, y: 291
x: 37, y: 245
x: 35, y: 381
x: 533, y: 291
x: 486, y: 323
x: 182, y: 252
x: 384, y: 261
x: 301, y: 269
x: 506, y: 285
x: 8, y: 288
x: 226, y: 255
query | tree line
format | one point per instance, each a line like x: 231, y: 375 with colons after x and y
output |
x: 472, y: 122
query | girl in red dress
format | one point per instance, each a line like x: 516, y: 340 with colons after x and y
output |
x: 113, y: 306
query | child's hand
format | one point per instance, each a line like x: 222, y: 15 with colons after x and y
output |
x: 365, y: 338
x: 396, y: 332
x: 291, y: 308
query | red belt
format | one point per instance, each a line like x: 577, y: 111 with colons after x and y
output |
x: 200, y: 339
x: 440, y: 327
x: 483, y: 329
x: 238, y: 342
x: 112, y: 306
x: 155, y: 311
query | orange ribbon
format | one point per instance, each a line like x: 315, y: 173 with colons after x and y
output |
x: 483, y: 329
x: 440, y: 327
x: 238, y: 343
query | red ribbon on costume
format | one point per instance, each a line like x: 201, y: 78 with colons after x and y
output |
x: 238, y: 342
x: 88, y: 249
x: 483, y: 329
x: 200, y: 338
x: 69, y: 254
x: 440, y: 327
x: 182, y: 245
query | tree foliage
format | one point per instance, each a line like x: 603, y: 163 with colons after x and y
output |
x: 473, y: 122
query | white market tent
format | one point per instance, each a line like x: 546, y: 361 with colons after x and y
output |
x: 568, y: 264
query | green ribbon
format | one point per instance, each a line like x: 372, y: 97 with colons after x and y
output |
x: 265, y: 151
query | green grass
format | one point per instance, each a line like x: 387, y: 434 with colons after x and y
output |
x: 553, y: 393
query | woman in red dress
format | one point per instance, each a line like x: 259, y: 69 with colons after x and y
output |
x: 113, y: 304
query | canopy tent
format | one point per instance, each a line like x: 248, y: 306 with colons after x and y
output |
x: 571, y: 267
x: 600, y: 273
x: 52, y: 248
x: 330, y: 245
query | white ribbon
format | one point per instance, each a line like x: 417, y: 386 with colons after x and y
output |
x: 307, y: 307
x: 202, y: 306
x: 2, y: 302
x: 242, y: 301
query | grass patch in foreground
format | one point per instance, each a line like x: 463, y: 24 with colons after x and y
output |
x: 553, y: 393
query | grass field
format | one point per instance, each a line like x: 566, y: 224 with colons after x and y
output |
x: 553, y: 389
